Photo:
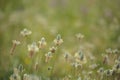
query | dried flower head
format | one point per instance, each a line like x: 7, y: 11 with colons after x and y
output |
x: 53, y: 49
x: 25, y: 32
x: 42, y: 43
x: 33, y: 48
x: 58, y: 40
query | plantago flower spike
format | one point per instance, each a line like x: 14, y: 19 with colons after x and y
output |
x: 33, y: 48
x: 42, y: 43
x: 53, y: 49
x: 80, y: 57
x: 15, y: 43
x: 48, y: 56
x: 15, y: 75
x: 58, y: 40
x: 25, y: 32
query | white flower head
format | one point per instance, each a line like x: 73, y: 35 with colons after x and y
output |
x: 33, y: 47
x: 16, y: 42
x: 58, y: 40
x: 42, y: 43
x: 25, y: 32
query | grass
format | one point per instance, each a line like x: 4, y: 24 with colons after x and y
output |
x: 97, y: 20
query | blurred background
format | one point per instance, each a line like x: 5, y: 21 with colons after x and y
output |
x: 97, y: 20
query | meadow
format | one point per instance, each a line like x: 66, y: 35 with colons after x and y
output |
x: 59, y: 40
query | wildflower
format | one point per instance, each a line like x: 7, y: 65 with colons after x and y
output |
x: 80, y: 57
x: 42, y: 43
x: 58, y: 40
x: 20, y: 68
x: 53, y: 49
x: 108, y: 72
x: 15, y: 43
x: 26, y: 77
x: 109, y: 51
x: 33, y: 48
x: 25, y: 32
x: 48, y: 56
x: 79, y: 36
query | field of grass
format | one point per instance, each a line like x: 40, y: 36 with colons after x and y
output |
x: 59, y: 40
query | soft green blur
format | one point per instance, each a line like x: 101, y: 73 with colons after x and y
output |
x: 98, y: 20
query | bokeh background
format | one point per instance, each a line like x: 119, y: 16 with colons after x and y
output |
x: 98, y: 20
